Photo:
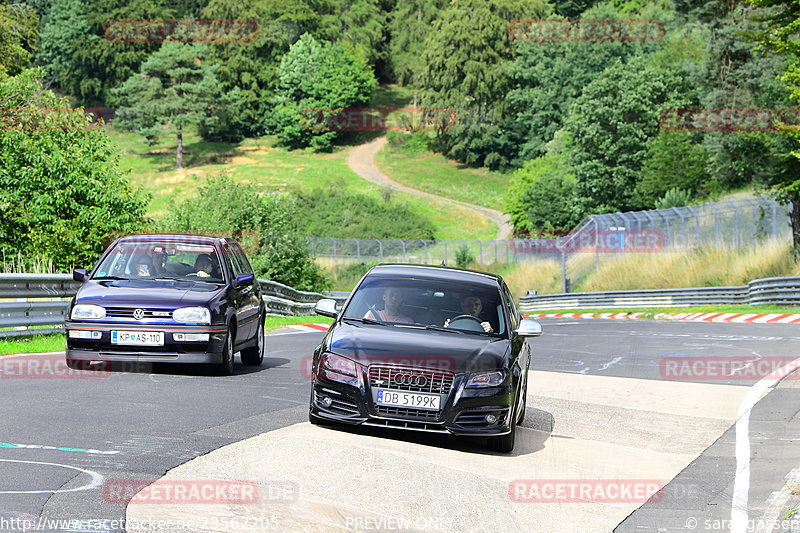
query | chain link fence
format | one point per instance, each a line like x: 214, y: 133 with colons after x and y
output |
x: 730, y: 224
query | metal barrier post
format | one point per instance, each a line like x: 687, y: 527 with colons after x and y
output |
x: 735, y: 224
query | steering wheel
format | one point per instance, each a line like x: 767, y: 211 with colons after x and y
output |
x: 477, y: 320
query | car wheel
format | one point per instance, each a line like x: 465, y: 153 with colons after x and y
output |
x: 504, y: 443
x: 254, y: 355
x: 225, y: 368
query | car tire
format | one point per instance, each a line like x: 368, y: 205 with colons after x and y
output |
x: 504, y: 443
x: 225, y: 368
x: 254, y: 355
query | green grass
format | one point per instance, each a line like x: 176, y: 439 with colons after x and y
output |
x: 268, y: 168
x: 650, y: 312
x: 33, y: 344
x: 436, y: 174
x: 275, y: 322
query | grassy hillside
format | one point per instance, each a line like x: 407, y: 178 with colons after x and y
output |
x: 434, y: 173
x: 268, y: 167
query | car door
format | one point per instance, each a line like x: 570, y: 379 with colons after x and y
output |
x: 238, y: 296
x: 251, y: 294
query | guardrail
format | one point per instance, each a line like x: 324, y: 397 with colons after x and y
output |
x: 774, y: 291
x: 35, y: 300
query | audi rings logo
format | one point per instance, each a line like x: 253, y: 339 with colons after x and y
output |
x: 410, y: 380
x: 138, y: 314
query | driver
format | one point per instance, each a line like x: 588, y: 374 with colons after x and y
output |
x: 392, y: 300
x: 472, y: 305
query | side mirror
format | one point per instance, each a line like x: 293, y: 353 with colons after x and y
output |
x: 326, y: 307
x: 529, y: 328
x: 244, y: 279
x: 80, y: 274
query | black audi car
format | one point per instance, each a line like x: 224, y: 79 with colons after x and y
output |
x: 168, y: 299
x: 425, y: 348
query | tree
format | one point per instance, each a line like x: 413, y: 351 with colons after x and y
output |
x: 316, y: 81
x: 781, y: 21
x: 410, y: 24
x: 541, y: 197
x: 279, y: 252
x: 609, y: 127
x: 673, y: 161
x: 62, y: 192
x: 547, y: 77
x: 65, y: 23
x: 466, y: 69
x: 360, y: 25
x: 251, y: 66
x: 175, y: 89
x: 99, y: 64
x: 19, y: 29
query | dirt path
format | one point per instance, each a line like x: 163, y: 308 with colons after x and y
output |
x: 361, y: 160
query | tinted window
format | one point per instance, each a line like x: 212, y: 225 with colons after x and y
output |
x: 233, y: 264
x: 430, y: 302
x: 242, y: 258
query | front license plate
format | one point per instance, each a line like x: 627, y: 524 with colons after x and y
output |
x: 408, y: 399
x: 138, y: 338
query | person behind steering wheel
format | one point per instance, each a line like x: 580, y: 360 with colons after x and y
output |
x: 472, y: 306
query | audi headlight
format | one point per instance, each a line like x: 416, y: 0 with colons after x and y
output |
x: 486, y: 379
x: 339, y: 365
x: 192, y: 315
x: 88, y: 312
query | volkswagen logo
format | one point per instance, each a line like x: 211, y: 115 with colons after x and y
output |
x: 411, y: 380
x: 138, y: 314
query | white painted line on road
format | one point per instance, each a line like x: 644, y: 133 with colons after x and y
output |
x: 61, y: 449
x: 776, y: 503
x: 97, y: 479
x: 741, y: 484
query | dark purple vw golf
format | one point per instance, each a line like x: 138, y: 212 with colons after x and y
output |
x: 171, y: 299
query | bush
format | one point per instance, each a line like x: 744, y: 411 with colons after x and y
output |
x: 339, y: 212
x: 464, y: 257
x: 62, y: 192
x: 674, y: 197
x: 225, y: 207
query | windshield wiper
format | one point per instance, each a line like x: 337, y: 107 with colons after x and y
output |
x: 364, y: 320
x: 108, y: 277
x: 442, y: 328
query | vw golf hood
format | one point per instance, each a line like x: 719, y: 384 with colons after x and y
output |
x: 146, y: 293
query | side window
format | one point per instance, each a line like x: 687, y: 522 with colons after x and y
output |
x: 245, y: 264
x: 515, y: 319
x: 233, y: 264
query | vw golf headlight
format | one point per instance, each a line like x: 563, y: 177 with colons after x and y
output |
x: 192, y: 315
x: 88, y: 312
x: 486, y: 379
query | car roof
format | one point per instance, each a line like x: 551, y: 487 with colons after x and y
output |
x: 404, y: 270
x: 176, y: 237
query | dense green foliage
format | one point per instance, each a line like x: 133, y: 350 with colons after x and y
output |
x: 339, y: 212
x: 577, y: 123
x: 19, y: 28
x: 62, y: 193
x: 316, y: 81
x: 267, y: 226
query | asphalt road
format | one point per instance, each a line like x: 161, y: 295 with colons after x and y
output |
x: 62, y: 438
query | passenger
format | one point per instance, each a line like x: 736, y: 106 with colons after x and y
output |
x: 392, y: 300
x: 472, y: 305
x: 144, y: 267
x: 203, y: 266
